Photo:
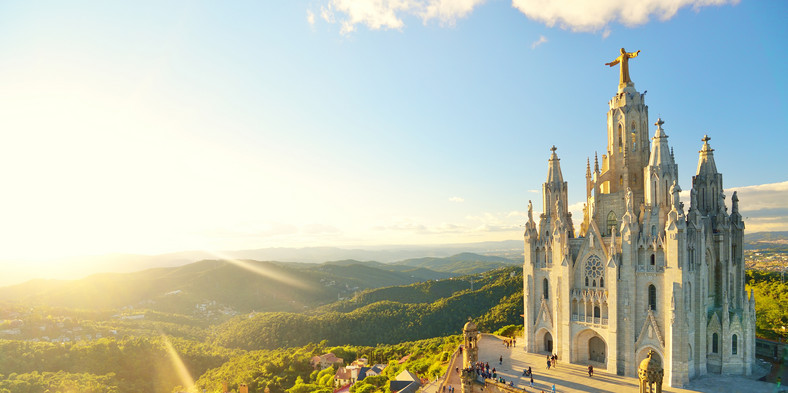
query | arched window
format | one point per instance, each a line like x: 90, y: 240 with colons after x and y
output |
x: 653, y: 260
x: 620, y: 145
x: 620, y: 180
x: 546, y: 288
x: 714, y: 343
x: 734, y: 345
x: 634, y: 140
x: 586, y: 280
x: 611, y: 221
x: 593, y: 283
x: 601, y: 282
x: 652, y: 297
x: 653, y: 230
x: 596, y: 311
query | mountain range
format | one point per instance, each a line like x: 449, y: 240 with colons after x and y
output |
x: 241, y: 286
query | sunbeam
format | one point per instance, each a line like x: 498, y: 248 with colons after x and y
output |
x: 183, y: 373
x: 261, y: 271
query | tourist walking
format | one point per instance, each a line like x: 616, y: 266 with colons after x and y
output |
x: 500, y: 359
x: 553, y: 388
x: 548, y: 362
x: 590, y: 370
x: 532, y: 380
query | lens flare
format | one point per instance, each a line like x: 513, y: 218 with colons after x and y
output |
x: 263, y: 271
x: 183, y: 373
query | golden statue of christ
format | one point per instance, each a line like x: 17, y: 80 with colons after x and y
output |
x: 624, y: 60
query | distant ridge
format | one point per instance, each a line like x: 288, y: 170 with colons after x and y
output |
x: 761, y: 240
x: 243, y: 285
x: 463, y: 263
x: 79, y: 267
x: 259, y: 286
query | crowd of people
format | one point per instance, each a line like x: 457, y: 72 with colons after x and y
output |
x: 482, y: 370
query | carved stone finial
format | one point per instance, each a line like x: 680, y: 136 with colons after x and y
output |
x: 530, y: 211
x: 735, y: 202
x: 693, y: 198
x: 706, y: 147
x: 553, y: 149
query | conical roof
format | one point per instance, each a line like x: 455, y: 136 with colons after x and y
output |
x: 660, y: 151
x: 706, y: 165
x: 554, y: 169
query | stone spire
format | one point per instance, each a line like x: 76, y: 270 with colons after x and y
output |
x: 554, y: 194
x: 661, y: 170
x: 660, y: 152
x: 554, y: 175
x: 588, y: 167
x: 706, y: 165
x: 708, y: 182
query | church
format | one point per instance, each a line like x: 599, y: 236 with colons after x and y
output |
x: 644, y: 272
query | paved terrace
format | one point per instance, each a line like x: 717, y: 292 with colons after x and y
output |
x: 573, y: 378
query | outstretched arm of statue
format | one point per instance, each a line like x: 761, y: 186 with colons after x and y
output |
x: 612, y: 63
x: 633, y: 54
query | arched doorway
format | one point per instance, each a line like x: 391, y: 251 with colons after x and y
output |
x: 548, y: 342
x: 596, y: 349
x: 590, y: 346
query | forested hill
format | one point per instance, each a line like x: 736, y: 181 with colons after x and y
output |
x: 241, y: 286
x: 388, y: 315
x: 95, y: 352
x: 463, y: 263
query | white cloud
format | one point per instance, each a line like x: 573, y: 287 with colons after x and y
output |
x: 575, y: 15
x: 764, y: 207
x: 518, y: 214
x: 310, y: 17
x: 581, y: 15
x: 456, y: 199
x: 542, y: 39
x: 388, y: 14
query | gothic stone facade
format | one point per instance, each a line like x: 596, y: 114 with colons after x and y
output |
x: 642, y: 274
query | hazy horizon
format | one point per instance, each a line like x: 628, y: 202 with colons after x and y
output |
x: 151, y: 127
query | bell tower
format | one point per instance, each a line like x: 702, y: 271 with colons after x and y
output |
x: 627, y: 153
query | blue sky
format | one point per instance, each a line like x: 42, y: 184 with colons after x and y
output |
x: 148, y: 127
